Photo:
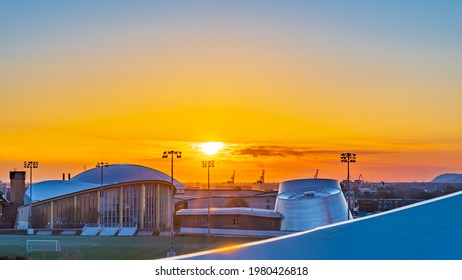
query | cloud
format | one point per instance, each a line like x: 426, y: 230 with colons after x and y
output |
x: 297, y: 151
x: 279, y: 151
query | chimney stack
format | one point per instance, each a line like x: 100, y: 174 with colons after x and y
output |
x: 17, y: 187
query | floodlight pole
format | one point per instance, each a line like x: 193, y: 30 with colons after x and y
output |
x: 101, y: 165
x: 30, y: 165
x: 348, y: 157
x: 171, y: 252
x: 208, y: 164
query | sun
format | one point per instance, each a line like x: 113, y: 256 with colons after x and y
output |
x: 211, y: 148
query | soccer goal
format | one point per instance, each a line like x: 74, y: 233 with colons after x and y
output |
x: 43, y: 246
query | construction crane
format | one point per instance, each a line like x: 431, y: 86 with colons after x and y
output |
x: 262, y: 178
x: 360, y: 179
x: 232, y: 178
x: 316, y: 174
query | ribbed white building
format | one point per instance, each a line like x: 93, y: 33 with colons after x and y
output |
x: 309, y: 203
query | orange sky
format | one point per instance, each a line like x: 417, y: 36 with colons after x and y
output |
x: 286, y: 86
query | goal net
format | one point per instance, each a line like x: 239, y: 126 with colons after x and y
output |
x: 43, y: 246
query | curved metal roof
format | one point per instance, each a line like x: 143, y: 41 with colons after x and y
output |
x: 308, y: 189
x: 54, y: 188
x: 122, y: 173
x: 112, y: 174
x: 309, y: 194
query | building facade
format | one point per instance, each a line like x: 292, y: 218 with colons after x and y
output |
x: 231, y: 219
x: 127, y: 196
x: 371, y: 205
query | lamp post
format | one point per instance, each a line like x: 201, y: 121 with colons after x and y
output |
x: 101, y: 165
x: 171, y: 252
x: 208, y: 164
x: 209, y: 148
x: 30, y: 165
x: 348, y: 157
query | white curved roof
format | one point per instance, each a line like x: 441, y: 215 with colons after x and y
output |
x: 122, y: 173
x: 298, y: 189
x: 112, y: 174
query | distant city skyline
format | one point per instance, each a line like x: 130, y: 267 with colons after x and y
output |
x: 287, y: 86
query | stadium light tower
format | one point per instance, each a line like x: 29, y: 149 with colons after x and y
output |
x: 348, y: 157
x: 210, y: 149
x: 208, y: 164
x: 31, y: 165
x: 171, y: 252
x: 101, y: 165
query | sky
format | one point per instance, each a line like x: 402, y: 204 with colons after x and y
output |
x: 287, y: 86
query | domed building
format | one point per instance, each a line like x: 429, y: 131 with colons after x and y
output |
x: 123, y: 195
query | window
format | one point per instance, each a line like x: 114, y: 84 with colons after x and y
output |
x: 309, y: 194
x: 110, y: 207
x: 195, y: 219
x: 131, y: 205
x: 151, y: 205
x: 235, y: 220
x: 271, y: 223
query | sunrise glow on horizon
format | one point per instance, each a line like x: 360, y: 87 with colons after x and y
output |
x: 285, y: 86
x: 211, y: 148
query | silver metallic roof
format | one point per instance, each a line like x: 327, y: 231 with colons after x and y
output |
x: 54, y: 188
x: 122, y: 173
x: 112, y: 174
x: 299, y: 189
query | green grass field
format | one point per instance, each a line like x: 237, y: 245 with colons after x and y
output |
x: 114, y: 248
